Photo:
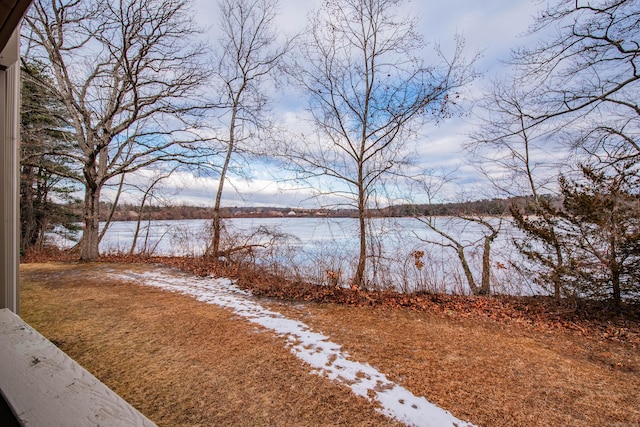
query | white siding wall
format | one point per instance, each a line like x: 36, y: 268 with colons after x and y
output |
x: 9, y: 174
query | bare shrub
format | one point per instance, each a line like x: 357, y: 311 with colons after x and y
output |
x: 186, y: 241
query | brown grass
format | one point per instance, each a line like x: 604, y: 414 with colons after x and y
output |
x: 179, y: 361
x: 182, y: 362
x: 487, y: 372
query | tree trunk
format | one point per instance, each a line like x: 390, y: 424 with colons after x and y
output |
x: 90, y: 237
x: 556, y: 277
x: 27, y: 210
x: 615, y: 281
x: 216, y: 222
x: 358, y: 278
x: 132, y: 249
x: 614, y: 267
x: 216, y: 227
x: 114, y: 206
x: 143, y: 202
x: 467, y: 270
x: 485, y: 287
x: 138, y: 223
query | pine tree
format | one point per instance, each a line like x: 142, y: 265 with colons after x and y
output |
x: 44, y: 173
x: 603, y: 237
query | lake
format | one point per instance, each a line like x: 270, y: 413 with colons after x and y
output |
x: 312, y: 247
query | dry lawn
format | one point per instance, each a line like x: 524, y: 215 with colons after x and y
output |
x: 491, y: 374
x: 185, y: 363
x: 178, y: 361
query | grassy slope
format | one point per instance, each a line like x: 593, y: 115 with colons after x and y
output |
x: 182, y: 362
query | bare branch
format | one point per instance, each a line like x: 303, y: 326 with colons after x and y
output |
x: 129, y: 74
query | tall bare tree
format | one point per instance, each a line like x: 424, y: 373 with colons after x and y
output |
x: 518, y: 158
x: 585, y: 74
x: 369, y: 90
x: 128, y: 73
x: 250, y: 53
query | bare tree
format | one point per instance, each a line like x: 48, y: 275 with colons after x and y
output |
x: 250, y: 54
x: 489, y: 233
x: 128, y: 73
x: 585, y: 75
x: 454, y: 232
x: 369, y: 91
x: 515, y: 157
x: 148, y: 192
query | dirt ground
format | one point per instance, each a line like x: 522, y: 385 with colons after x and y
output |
x: 185, y: 363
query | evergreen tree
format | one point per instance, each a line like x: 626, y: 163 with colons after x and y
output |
x: 590, y: 246
x: 44, y: 173
x: 603, y: 237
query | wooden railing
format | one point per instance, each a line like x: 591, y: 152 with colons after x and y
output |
x: 44, y: 387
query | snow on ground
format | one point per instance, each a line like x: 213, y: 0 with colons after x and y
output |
x: 325, y: 357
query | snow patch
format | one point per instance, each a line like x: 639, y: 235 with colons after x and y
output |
x: 324, y: 356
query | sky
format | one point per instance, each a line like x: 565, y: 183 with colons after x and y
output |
x: 491, y: 28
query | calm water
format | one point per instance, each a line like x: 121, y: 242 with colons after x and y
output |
x: 312, y: 247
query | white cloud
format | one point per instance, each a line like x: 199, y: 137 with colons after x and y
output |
x: 491, y: 26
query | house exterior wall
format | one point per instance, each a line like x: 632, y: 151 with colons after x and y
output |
x: 9, y: 174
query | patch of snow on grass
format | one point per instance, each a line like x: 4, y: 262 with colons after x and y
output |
x: 325, y: 357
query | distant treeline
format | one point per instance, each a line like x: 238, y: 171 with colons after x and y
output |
x: 494, y: 207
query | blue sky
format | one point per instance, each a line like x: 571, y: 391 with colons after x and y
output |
x: 492, y: 27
